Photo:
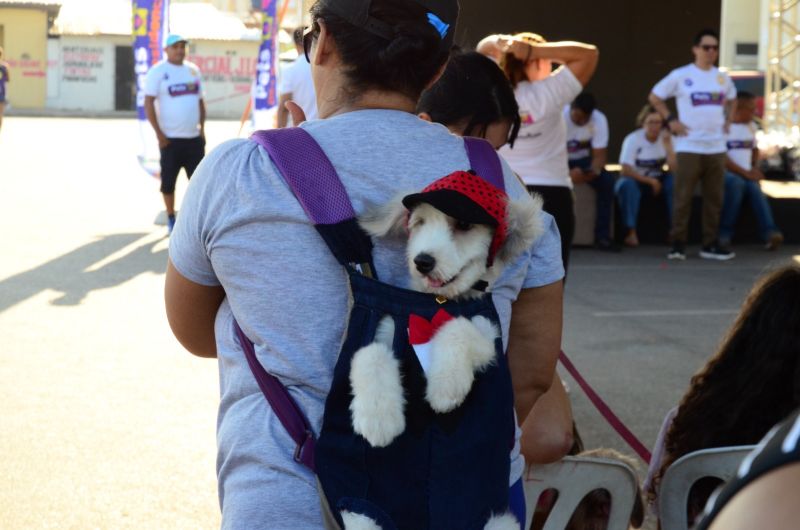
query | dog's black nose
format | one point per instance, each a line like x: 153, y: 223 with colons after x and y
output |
x: 425, y: 263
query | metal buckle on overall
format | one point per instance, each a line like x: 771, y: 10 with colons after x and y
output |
x: 298, y: 451
x: 363, y: 268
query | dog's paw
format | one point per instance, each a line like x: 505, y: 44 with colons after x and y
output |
x: 378, y: 402
x: 451, y: 371
x: 483, y: 350
x: 507, y: 521
x: 356, y: 521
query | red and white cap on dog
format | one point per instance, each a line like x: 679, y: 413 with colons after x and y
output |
x: 467, y: 197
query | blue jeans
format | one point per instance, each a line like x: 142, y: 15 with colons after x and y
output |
x: 603, y: 185
x: 629, y: 195
x: 736, y: 189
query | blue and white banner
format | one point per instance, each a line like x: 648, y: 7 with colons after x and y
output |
x: 265, y: 94
x: 150, y: 28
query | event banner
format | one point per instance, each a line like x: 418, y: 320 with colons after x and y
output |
x: 266, y: 83
x: 150, y: 28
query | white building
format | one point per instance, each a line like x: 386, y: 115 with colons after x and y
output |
x: 743, y: 34
x: 90, y: 61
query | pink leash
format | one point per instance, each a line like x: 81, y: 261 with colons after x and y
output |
x: 605, y: 410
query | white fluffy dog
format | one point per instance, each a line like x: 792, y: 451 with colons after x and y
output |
x: 461, y: 232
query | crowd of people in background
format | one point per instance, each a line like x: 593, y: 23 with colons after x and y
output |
x: 563, y: 143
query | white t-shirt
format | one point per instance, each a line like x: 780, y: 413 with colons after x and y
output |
x: 700, y: 96
x: 644, y: 156
x: 741, y: 141
x: 295, y: 79
x: 581, y: 139
x: 539, y: 155
x: 178, y: 91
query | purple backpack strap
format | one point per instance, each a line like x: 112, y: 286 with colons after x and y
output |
x: 484, y: 161
x: 308, y: 173
x: 289, y: 414
x: 315, y: 184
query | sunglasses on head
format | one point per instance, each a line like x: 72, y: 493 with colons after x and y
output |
x: 709, y: 47
x: 308, y: 37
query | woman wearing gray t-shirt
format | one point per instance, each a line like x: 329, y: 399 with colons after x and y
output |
x: 244, y: 247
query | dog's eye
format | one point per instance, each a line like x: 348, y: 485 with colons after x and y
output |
x: 461, y: 226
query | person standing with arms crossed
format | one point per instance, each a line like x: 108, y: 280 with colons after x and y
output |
x: 179, y: 121
x: 706, y: 100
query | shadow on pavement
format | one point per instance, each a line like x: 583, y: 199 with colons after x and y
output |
x: 74, y: 277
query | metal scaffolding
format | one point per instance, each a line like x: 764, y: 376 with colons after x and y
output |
x: 782, y: 101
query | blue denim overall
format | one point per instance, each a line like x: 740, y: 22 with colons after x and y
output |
x: 445, y: 471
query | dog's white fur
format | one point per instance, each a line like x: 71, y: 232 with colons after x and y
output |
x: 461, y: 347
x: 460, y: 254
x: 506, y: 521
x: 374, y: 371
x: 356, y: 521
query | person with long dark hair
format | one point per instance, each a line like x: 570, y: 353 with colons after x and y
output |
x: 749, y: 385
x: 473, y: 98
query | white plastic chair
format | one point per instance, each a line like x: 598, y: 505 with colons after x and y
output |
x: 575, y: 476
x: 673, y: 492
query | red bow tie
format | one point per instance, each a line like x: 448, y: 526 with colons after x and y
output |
x: 420, y: 330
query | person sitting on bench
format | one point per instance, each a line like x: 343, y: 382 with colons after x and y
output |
x: 742, y: 178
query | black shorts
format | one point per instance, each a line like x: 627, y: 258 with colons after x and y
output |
x: 180, y: 153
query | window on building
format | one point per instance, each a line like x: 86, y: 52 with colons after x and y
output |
x: 746, y: 48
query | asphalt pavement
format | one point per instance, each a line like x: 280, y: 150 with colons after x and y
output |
x: 106, y: 422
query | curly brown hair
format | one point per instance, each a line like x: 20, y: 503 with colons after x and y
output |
x: 751, y: 383
x: 515, y: 68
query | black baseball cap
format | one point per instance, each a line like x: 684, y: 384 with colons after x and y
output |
x: 443, y: 16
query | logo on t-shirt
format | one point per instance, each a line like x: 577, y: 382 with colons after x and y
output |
x: 525, y: 117
x: 740, y: 144
x: 184, y: 89
x: 653, y: 163
x: 573, y: 146
x: 707, y: 98
x: 688, y: 82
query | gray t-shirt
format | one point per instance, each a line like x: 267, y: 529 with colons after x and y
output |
x: 240, y: 227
